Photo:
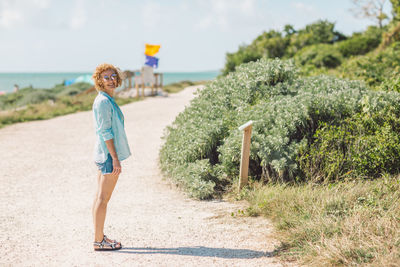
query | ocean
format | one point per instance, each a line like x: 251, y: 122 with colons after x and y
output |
x: 48, y: 80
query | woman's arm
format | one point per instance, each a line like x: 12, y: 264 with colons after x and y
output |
x: 103, y: 118
x: 114, y: 156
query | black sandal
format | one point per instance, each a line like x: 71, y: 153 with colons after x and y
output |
x: 105, y: 245
x: 112, y: 241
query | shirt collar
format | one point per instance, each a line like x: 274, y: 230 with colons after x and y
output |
x: 120, y: 115
x: 107, y: 95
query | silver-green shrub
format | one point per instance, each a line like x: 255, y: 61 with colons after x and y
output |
x: 202, y: 146
x: 197, y: 132
x: 285, y: 123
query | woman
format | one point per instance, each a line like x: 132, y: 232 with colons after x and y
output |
x: 110, y: 149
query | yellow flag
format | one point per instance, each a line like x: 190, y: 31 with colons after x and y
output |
x: 151, y: 50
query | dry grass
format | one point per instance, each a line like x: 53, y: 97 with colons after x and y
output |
x: 49, y: 109
x: 179, y: 86
x: 345, y: 224
x: 67, y: 104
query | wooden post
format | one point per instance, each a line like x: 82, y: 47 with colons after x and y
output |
x: 137, y: 89
x: 244, y: 162
x: 156, y: 77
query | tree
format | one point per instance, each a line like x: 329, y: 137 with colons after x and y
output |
x: 395, y: 9
x: 371, y: 9
x: 289, y: 30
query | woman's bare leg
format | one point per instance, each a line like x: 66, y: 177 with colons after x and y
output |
x: 106, y: 187
x: 96, y: 196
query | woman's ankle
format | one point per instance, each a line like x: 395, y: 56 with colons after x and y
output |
x: 99, y: 239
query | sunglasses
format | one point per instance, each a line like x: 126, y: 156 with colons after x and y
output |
x: 111, y: 77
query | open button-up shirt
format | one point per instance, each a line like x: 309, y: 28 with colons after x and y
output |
x: 109, y: 124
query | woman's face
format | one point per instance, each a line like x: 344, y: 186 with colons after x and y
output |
x: 109, y: 78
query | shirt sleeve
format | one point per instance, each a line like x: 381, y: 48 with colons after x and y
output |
x: 103, y: 120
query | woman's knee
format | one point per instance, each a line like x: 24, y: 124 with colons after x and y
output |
x: 102, y: 199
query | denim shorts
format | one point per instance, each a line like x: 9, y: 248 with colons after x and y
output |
x: 107, y: 166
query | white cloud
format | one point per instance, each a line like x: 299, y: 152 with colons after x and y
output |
x: 304, y: 8
x: 78, y: 19
x: 248, y: 7
x: 9, y: 18
x: 151, y: 14
x: 42, y: 4
x: 14, y: 13
x: 226, y: 13
x: 10, y: 14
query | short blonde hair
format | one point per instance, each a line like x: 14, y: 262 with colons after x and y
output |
x: 98, y: 80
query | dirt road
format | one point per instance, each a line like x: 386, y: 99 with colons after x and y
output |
x: 47, y: 179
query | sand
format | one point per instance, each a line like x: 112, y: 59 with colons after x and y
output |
x: 48, y: 181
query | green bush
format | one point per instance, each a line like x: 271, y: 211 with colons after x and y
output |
x: 366, y: 144
x: 243, y: 55
x: 361, y: 43
x: 395, y: 9
x: 271, y: 44
x: 320, y: 32
x: 392, y: 83
x: 373, y: 68
x: 274, y: 44
x: 319, y: 56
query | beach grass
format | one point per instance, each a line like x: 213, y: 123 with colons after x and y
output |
x: 29, y: 104
x: 52, y: 108
x: 179, y: 86
x: 348, y: 223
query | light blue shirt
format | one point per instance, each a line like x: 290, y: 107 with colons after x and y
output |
x: 109, y: 124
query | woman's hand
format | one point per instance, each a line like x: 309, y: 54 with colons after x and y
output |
x: 116, y: 166
x: 115, y: 161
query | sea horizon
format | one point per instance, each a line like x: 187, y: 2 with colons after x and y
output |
x: 46, y: 80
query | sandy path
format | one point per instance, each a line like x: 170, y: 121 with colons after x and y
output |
x: 47, y: 181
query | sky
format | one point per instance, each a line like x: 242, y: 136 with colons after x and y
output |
x: 195, y: 35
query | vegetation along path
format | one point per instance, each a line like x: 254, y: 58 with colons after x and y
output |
x: 48, y: 180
